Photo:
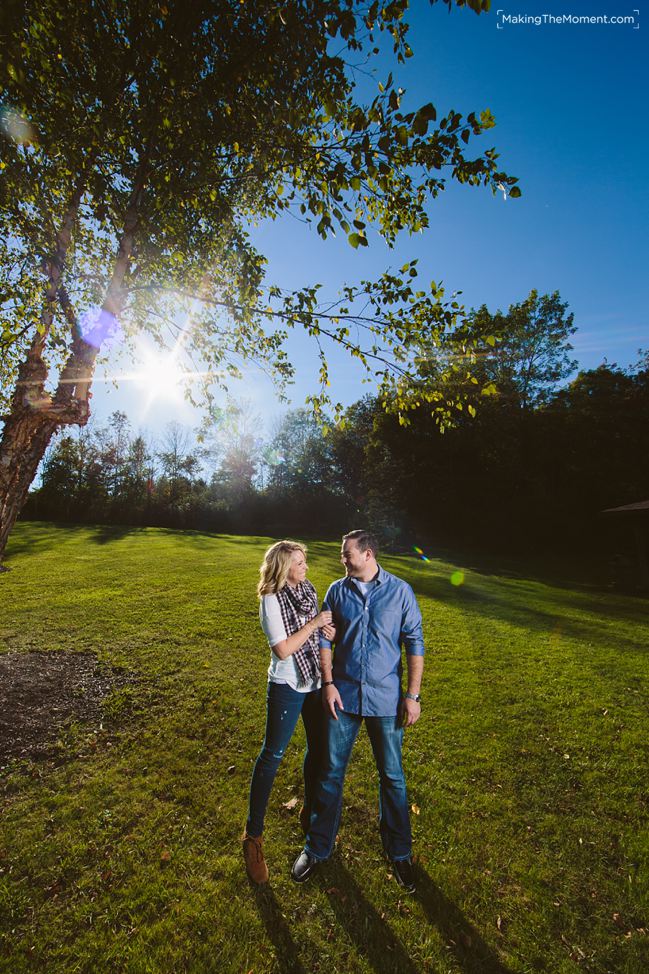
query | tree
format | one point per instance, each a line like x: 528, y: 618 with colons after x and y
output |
x: 528, y: 351
x: 180, y: 465
x: 300, y: 456
x: 140, y: 471
x: 140, y: 141
x: 232, y: 440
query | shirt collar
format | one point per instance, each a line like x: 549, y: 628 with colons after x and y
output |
x: 380, y: 577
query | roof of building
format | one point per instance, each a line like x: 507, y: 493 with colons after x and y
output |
x: 628, y: 508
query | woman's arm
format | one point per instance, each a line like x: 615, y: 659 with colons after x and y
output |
x: 288, y: 646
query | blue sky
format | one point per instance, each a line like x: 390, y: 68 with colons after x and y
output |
x: 571, y: 123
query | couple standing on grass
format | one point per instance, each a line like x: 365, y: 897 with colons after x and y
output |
x: 367, y: 616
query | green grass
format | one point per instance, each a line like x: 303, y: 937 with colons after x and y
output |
x: 528, y: 769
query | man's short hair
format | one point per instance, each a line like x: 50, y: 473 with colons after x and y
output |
x: 364, y: 540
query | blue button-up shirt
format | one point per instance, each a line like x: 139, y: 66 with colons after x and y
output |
x: 370, y: 630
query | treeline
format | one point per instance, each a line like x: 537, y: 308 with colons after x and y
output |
x: 532, y: 469
x: 224, y: 478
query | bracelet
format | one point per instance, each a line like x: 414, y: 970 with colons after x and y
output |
x: 327, y: 683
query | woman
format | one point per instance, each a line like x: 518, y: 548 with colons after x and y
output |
x: 289, y: 616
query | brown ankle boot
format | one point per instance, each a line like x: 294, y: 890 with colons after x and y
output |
x: 253, y: 854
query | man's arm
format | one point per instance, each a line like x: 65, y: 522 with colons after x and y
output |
x: 413, y: 639
x: 411, y: 709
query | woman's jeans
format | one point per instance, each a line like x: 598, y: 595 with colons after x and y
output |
x: 386, y: 738
x: 284, y: 707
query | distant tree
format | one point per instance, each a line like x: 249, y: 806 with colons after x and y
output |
x: 526, y: 354
x: 595, y: 439
x: 62, y: 477
x: 74, y: 478
x: 116, y: 442
x: 180, y: 465
x: 139, y: 474
x: 301, y: 456
x: 232, y: 442
x: 139, y: 141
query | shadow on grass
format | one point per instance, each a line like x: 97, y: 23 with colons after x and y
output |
x: 31, y: 536
x: 368, y: 931
x: 373, y: 937
x: 541, y: 612
x: 471, y: 952
x: 278, y: 932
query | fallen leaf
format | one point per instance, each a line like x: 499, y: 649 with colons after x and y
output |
x: 415, y: 809
x: 290, y: 804
x: 165, y: 855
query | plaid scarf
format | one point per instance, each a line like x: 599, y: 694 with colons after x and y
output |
x: 299, y: 605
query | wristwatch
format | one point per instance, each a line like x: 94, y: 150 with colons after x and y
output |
x: 413, y: 696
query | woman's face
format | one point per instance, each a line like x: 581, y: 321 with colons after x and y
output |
x: 298, y: 569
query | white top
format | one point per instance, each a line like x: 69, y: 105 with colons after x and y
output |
x: 280, y: 670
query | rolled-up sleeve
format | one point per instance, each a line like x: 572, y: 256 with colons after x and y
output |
x: 412, y: 634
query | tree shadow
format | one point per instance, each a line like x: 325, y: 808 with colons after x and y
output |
x: 471, y: 951
x: 278, y: 931
x: 541, y: 611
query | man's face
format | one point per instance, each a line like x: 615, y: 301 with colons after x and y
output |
x: 354, y: 560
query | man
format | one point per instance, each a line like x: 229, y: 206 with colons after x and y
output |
x: 374, y: 613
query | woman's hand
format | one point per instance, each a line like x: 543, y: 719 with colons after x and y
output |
x: 323, y: 618
x: 329, y: 632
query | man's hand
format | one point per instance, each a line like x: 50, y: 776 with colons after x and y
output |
x: 410, y: 711
x: 331, y: 700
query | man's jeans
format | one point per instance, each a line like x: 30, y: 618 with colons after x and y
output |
x: 284, y: 707
x: 386, y: 737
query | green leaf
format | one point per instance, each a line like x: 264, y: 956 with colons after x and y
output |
x: 420, y: 124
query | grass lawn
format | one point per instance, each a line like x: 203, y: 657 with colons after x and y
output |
x: 527, y: 775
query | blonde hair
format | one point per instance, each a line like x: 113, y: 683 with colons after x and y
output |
x: 275, y: 566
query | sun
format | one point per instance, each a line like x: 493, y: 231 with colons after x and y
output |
x: 160, y: 376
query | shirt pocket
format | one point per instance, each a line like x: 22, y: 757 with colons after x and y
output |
x: 386, y: 624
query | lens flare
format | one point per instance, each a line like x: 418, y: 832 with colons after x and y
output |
x: 273, y: 458
x: 16, y: 127
x: 457, y: 578
x: 100, y: 328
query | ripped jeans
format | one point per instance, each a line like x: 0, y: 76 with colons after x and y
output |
x: 283, y: 709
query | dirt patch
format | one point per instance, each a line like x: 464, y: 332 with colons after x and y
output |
x: 41, y: 692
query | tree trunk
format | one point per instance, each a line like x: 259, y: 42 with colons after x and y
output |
x: 25, y: 439
x: 35, y: 416
x: 28, y: 428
